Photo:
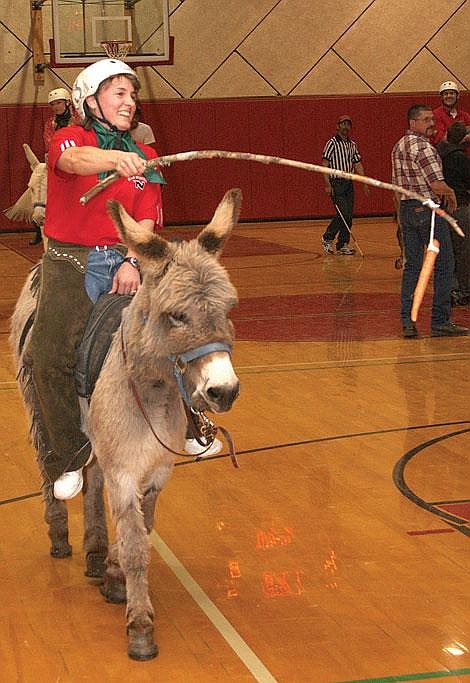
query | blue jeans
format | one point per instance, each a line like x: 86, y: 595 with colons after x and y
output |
x: 101, y: 267
x: 343, y: 198
x: 416, y: 222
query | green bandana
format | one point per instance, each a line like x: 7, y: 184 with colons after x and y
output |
x: 109, y: 139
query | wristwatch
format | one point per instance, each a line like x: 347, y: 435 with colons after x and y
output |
x: 133, y: 261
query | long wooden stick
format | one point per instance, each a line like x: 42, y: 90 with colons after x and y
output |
x: 247, y: 156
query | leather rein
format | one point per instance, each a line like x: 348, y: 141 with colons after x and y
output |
x: 202, y: 428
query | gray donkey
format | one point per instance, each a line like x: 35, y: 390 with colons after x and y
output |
x: 135, y: 417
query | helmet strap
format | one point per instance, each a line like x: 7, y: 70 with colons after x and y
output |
x: 103, y: 119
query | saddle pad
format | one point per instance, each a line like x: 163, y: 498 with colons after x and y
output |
x: 103, y: 323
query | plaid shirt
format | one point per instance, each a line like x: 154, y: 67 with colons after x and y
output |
x: 416, y: 164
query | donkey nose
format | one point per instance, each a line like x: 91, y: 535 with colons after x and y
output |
x: 224, y: 396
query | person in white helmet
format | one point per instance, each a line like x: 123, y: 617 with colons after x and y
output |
x: 140, y: 131
x: 84, y: 258
x: 62, y: 114
x: 449, y: 112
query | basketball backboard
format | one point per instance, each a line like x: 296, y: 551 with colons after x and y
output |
x: 81, y: 26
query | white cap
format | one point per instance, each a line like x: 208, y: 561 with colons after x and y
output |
x: 89, y: 80
x: 449, y: 85
x: 58, y: 94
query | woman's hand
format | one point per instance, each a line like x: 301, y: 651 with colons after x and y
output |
x: 126, y: 280
x: 129, y: 163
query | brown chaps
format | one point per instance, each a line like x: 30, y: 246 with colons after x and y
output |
x: 61, y: 316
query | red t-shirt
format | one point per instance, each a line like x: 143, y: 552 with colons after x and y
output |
x: 90, y: 225
x: 442, y: 121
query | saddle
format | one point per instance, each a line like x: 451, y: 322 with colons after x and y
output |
x: 104, y: 321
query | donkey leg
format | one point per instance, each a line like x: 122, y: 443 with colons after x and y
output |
x: 134, y: 557
x: 148, y: 504
x: 56, y: 517
x: 95, y: 534
x: 113, y: 587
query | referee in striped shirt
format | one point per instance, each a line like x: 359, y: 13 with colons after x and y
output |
x: 342, y: 154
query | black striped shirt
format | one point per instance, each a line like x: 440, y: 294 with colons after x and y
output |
x: 341, y: 154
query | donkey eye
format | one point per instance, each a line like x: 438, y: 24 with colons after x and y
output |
x: 177, y: 319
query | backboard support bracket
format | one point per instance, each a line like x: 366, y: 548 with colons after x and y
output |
x: 37, y: 42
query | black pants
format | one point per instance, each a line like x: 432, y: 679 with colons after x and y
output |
x: 343, y: 199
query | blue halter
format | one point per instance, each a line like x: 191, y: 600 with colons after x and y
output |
x: 181, y: 361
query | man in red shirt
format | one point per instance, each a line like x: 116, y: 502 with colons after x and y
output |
x: 449, y: 113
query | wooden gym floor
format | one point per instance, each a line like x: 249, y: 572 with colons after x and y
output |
x: 337, y: 552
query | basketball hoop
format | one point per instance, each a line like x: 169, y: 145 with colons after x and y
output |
x: 116, y: 49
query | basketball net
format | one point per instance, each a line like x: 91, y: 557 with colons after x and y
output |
x: 116, y: 49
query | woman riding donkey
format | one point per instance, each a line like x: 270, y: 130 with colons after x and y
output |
x: 84, y: 258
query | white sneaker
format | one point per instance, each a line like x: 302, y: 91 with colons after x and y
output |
x: 68, y: 485
x: 327, y: 246
x: 346, y: 251
x: 194, y: 448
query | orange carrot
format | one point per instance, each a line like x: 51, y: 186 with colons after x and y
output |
x: 424, y: 277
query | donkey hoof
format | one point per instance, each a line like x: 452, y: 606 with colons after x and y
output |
x: 61, y: 550
x: 113, y: 591
x: 95, y: 565
x: 141, y: 646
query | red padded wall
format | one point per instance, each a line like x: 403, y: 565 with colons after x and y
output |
x: 295, y: 128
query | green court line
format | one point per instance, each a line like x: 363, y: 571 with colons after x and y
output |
x: 412, y: 677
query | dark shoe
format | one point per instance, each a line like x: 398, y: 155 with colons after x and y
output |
x: 449, y: 329
x: 410, y: 331
x: 37, y: 238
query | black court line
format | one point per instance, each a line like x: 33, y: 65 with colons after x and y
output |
x: 399, y: 480
x: 292, y: 444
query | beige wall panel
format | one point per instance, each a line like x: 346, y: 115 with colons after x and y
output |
x: 331, y: 76
x: 235, y: 78
x: 154, y: 87
x: 294, y: 36
x: 22, y: 90
x: 206, y: 32
x: 388, y: 35
x: 452, y: 45
x: 425, y: 73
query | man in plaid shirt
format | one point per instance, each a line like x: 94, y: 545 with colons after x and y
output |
x: 416, y: 166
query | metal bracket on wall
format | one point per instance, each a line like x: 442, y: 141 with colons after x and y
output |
x: 37, y: 42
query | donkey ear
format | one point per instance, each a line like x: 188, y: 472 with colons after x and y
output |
x: 226, y: 215
x: 144, y: 242
x: 31, y: 157
x: 22, y: 208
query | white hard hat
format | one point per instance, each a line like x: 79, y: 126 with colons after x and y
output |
x: 58, y: 94
x: 449, y: 85
x: 89, y: 80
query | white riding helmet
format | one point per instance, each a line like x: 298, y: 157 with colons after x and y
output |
x: 58, y: 94
x: 89, y: 80
x: 449, y: 85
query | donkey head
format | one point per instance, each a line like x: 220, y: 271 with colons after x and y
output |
x: 31, y: 206
x: 37, y: 186
x: 183, y: 304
